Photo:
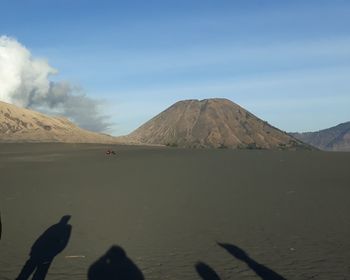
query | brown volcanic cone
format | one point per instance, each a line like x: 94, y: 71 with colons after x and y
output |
x: 23, y: 125
x: 212, y: 123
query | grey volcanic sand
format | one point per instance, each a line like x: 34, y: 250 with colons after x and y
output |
x: 168, y: 207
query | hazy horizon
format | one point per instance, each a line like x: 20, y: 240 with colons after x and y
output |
x: 122, y: 63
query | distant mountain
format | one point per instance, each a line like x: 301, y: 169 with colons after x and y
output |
x: 23, y: 125
x: 212, y: 123
x: 336, y: 138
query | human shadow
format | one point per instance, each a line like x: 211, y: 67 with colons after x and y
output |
x: 262, y: 271
x: 114, y: 265
x: 206, y: 272
x: 45, y: 249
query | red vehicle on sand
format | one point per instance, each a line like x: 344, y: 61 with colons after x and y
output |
x: 110, y: 152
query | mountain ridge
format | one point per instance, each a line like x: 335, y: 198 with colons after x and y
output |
x: 336, y: 138
x: 24, y: 125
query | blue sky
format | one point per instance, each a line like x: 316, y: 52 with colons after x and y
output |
x: 288, y: 62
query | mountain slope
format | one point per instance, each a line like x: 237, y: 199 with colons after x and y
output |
x: 23, y: 125
x: 336, y: 138
x: 212, y: 123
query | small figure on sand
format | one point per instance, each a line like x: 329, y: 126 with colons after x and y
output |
x: 45, y: 249
x: 110, y: 152
x: 114, y: 265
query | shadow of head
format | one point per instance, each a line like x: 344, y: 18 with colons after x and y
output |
x: 115, y: 254
x: 64, y: 220
x: 206, y: 272
x: 114, y: 264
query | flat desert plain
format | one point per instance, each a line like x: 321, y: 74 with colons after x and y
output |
x: 283, y: 214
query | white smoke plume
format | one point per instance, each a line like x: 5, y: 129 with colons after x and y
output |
x: 24, y: 81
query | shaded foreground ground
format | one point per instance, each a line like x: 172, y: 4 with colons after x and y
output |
x: 178, y: 212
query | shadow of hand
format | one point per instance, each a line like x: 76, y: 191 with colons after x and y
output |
x: 234, y: 250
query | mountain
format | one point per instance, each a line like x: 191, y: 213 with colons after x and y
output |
x: 336, y: 138
x: 212, y: 123
x: 23, y: 125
